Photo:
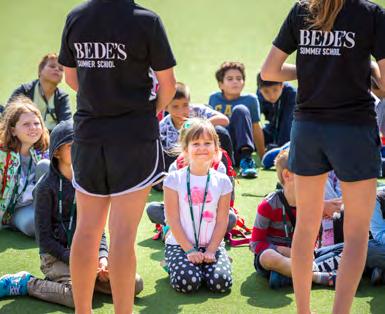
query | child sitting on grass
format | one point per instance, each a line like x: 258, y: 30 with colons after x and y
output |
x: 55, y: 225
x: 197, y: 201
x: 180, y: 109
x: 243, y: 112
x: 273, y: 231
x: 277, y: 101
x: 23, y: 151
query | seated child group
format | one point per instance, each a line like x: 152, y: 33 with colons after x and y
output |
x: 202, y: 145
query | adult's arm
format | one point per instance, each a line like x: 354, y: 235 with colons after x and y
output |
x: 71, y: 78
x: 166, y: 91
x: 378, y: 73
x: 275, y: 69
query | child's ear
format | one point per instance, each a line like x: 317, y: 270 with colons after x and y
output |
x: 287, y: 175
x: 12, y: 131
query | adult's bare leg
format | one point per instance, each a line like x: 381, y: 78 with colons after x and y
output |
x: 126, y: 212
x: 309, y: 191
x: 91, y: 218
x: 359, y: 200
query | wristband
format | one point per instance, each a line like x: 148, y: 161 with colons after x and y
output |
x: 191, y: 250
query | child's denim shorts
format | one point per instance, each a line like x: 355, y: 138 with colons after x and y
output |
x: 352, y: 150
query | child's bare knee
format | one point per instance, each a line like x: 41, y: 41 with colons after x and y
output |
x: 268, y: 258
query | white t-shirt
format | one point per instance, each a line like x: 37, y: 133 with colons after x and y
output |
x: 219, y: 185
x: 221, y: 167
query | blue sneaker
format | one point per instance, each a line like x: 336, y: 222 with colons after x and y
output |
x: 248, y: 168
x: 377, y: 276
x: 14, y: 284
x: 269, y: 157
x: 277, y: 280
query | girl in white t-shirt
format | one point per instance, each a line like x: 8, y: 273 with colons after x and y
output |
x: 197, y: 201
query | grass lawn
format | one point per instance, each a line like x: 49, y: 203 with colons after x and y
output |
x: 203, y: 33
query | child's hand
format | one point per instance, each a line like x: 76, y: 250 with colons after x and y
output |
x: 331, y: 206
x: 102, y: 271
x: 195, y: 257
x: 209, y: 257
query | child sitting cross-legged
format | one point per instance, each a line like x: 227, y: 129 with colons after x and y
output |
x: 55, y: 225
x: 197, y: 201
x: 273, y: 231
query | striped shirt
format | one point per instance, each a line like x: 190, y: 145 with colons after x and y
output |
x: 268, y: 230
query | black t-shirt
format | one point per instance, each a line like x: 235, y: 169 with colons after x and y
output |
x: 113, y: 45
x: 333, y: 68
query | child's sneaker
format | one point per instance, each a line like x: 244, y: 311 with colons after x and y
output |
x: 248, y: 168
x: 14, y: 284
x: 277, y: 280
x: 269, y: 157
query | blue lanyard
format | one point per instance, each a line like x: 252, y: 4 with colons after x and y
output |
x: 196, y: 235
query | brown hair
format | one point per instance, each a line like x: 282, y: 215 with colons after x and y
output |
x: 281, y: 163
x: 196, y: 128
x: 45, y: 59
x: 229, y: 65
x: 182, y: 91
x: 323, y: 13
x: 14, y: 109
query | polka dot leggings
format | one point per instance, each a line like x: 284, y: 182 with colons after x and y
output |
x: 186, y: 277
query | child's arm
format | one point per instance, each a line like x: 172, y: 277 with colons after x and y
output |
x: 259, y: 140
x: 258, y: 241
x: 171, y: 206
x: 221, y: 223
x: 102, y: 271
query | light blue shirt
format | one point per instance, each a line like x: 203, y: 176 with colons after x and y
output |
x: 219, y: 103
x: 377, y: 224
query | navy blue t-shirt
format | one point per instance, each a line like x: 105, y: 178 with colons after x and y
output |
x: 113, y: 45
x: 333, y: 68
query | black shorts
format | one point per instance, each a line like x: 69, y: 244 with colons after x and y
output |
x: 353, y: 151
x: 258, y: 267
x: 111, y: 169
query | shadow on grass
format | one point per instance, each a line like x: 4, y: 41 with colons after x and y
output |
x: 156, y: 245
x: 155, y: 196
x: 260, y: 295
x: 174, y: 301
x: 31, y: 305
x: 15, y: 240
x: 365, y: 290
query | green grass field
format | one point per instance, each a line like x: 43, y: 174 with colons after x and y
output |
x: 203, y: 34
